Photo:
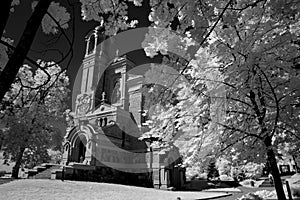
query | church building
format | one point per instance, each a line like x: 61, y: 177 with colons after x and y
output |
x: 103, y: 144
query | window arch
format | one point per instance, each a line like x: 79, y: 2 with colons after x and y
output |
x: 91, y: 44
x: 116, y: 92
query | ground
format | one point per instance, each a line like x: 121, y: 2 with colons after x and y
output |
x: 244, y: 190
x: 33, y: 189
x: 55, y: 189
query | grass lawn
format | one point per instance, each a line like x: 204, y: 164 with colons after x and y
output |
x: 31, y: 189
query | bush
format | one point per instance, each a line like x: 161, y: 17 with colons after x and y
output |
x: 212, y: 171
x: 224, y: 166
x: 241, y: 176
x: 253, y: 170
x: 56, y: 156
x: 225, y: 178
x: 250, y: 196
x: 202, y: 176
x: 247, y: 182
x: 259, y: 195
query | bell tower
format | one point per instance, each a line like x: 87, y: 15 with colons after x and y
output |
x: 89, y: 61
x: 85, y: 94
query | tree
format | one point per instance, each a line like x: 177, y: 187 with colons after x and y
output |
x: 19, y: 54
x: 255, y: 45
x: 262, y: 82
x: 30, y: 112
x: 13, y: 65
x: 224, y: 166
x: 212, y: 171
x: 184, y: 118
x: 111, y: 14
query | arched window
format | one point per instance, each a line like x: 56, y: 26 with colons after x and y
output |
x: 100, y: 122
x: 67, y: 147
x: 91, y: 43
x: 105, y: 121
x: 116, y: 93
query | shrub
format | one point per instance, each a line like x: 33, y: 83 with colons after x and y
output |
x: 226, y: 178
x: 266, y: 194
x: 247, y: 182
x: 56, y: 156
x: 202, y: 176
x: 253, y: 170
x: 259, y: 195
x: 224, y: 166
x: 212, y: 171
x: 250, y: 196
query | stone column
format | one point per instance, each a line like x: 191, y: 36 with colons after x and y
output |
x: 96, y: 39
x: 155, y: 169
x: 164, y: 178
x: 66, y: 153
x: 123, y: 86
x: 87, y: 46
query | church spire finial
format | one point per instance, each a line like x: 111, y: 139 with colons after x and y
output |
x: 103, y: 97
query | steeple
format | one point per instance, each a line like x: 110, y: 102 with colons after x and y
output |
x: 92, y: 41
x: 103, y: 97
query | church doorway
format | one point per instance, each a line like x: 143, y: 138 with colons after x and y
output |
x: 171, y: 172
x: 80, y: 146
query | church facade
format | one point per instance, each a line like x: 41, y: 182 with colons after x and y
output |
x: 103, y: 144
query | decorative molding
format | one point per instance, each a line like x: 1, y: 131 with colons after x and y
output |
x: 88, y: 62
x: 84, y: 103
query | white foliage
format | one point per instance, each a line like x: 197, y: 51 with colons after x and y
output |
x: 60, y: 14
x: 3, y: 56
x: 13, y: 4
x: 137, y: 2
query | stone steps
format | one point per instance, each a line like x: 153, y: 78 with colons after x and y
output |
x: 5, y: 180
x: 46, y: 174
x: 41, y: 172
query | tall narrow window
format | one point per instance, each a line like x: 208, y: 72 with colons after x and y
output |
x: 116, y: 93
x: 91, y: 44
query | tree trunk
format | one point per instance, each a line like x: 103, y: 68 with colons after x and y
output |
x: 16, y: 60
x: 295, y: 161
x: 274, y: 170
x: 4, y: 14
x: 15, y: 170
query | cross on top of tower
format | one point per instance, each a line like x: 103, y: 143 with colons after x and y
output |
x: 103, y: 97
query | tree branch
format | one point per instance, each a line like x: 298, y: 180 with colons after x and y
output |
x: 241, y: 131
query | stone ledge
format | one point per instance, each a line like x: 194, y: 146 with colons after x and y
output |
x: 30, y: 173
x: 39, y: 168
x: 56, y: 174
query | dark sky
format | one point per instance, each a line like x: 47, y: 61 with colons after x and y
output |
x: 41, y: 49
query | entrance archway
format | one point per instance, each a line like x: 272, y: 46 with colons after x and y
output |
x: 80, y: 149
x: 171, y: 172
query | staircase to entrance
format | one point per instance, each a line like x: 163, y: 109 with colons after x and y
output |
x: 43, y: 171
